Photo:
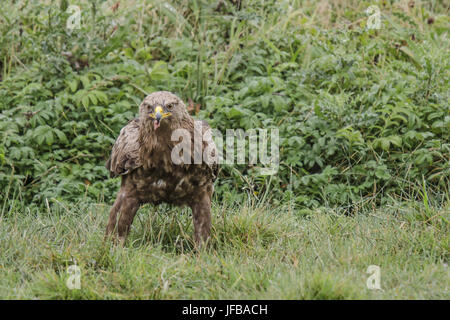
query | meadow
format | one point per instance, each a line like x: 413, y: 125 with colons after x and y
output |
x: 363, y: 115
x: 254, y: 253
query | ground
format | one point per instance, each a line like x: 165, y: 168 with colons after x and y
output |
x: 255, y: 253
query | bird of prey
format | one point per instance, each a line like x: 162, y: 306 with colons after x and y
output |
x: 143, y: 155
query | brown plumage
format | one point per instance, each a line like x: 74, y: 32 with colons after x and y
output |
x: 142, y: 155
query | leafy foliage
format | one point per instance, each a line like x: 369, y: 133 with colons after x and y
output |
x: 363, y: 115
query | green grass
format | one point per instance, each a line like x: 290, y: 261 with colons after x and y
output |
x: 254, y: 253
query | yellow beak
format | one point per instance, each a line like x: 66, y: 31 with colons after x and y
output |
x: 159, y: 114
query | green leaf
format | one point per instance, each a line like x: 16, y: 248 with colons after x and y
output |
x: 382, y: 173
x: 235, y: 112
x: 73, y: 85
x: 85, y: 101
x: 61, y: 135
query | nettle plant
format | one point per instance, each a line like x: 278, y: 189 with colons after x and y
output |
x: 363, y: 115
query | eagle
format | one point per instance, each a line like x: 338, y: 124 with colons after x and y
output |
x: 147, y: 156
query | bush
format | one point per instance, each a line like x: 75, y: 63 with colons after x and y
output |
x: 363, y: 115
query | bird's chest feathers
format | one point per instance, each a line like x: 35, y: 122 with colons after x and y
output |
x: 159, y: 159
x: 156, y: 152
x: 176, y: 185
x: 160, y: 179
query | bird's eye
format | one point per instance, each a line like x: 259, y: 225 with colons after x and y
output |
x: 169, y: 106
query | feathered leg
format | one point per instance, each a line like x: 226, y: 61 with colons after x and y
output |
x: 201, y: 212
x: 125, y: 209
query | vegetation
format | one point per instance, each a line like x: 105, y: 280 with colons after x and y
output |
x: 254, y: 253
x: 364, y: 122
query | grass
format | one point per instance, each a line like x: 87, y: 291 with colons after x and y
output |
x: 255, y: 253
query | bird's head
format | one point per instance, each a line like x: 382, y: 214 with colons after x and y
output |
x: 162, y: 109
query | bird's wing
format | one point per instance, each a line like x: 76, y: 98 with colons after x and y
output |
x: 209, y: 146
x: 125, y: 152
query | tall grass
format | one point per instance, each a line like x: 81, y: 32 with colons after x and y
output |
x: 254, y: 253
